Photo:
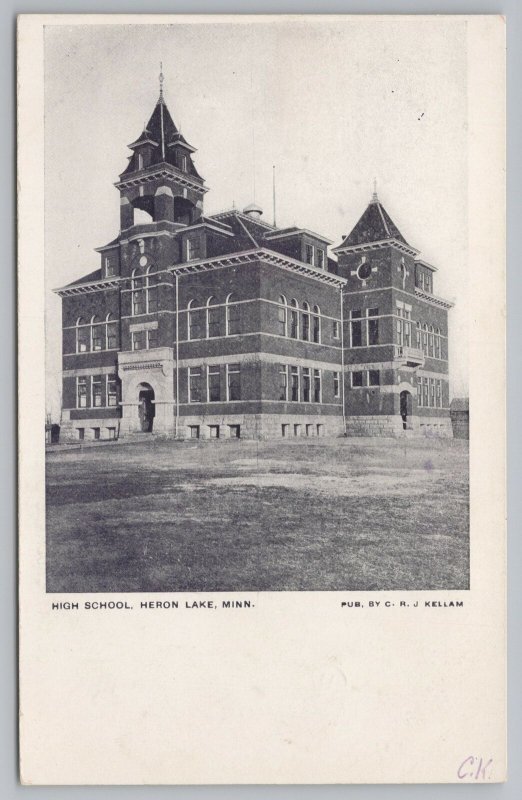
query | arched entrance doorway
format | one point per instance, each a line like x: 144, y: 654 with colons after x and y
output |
x: 146, y: 408
x: 406, y: 407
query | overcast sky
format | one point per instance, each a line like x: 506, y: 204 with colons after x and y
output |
x: 332, y: 103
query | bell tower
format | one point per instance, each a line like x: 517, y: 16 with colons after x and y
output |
x: 161, y: 178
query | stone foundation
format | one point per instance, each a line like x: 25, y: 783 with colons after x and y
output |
x: 259, y: 426
x: 70, y: 429
x: 392, y: 425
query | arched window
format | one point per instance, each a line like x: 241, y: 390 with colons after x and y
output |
x: 151, y: 291
x: 437, y: 343
x: 213, y: 326
x: 431, y: 351
x: 97, y: 334
x: 138, y: 293
x: 232, y: 314
x: 111, y: 332
x: 294, y: 320
x: 83, y: 338
x: 282, y: 315
x: 425, y: 339
x: 194, y: 321
x: 306, y: 322
x: 317, y: 324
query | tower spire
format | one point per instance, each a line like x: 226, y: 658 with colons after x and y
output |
x: 161, y: 79
x: 375, y: 199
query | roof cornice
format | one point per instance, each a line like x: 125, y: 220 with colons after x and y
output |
x: 85, y: 288
x: 297, y: 232
x: 431, y: 298
x: 258, y: 254
x: 365, y: 246
x: 161, y: 171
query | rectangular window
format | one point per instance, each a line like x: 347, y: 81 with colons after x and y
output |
x: 336, y: 385
x: 419, y: 391
x: 194, y: 384
x: 437, y: 344
x: 110, y: 266
x: 96, y: 391
x: 81, y: 392
x: 319, y: 258
x: 373, y: 331
x: 183, y: 162
x: 235, y: 431
x: 80, y: 434
x: 425, y: 395
x: 112, y: 391
x: 320, y: 429
x: 439, y: 394
x: 432, y: 392
x: 232, y: 319
x: 152, y: 338
x: 357, y: 378
x: 233, y: 382
x: 297, y: 430
x: 306, y: 327
x: 309, y: 430
x: 138, y: 302
x: 213, y: 320
x: 294, y: 384
x: 309, y: 254
x: 111, y: 433
x: 356, y: 329
x: 214, y: 431
x: 283, y: 382
x: 138, y: 340
x: 317, y: 385
x: 294, y: 324
x: 112, y: 335
x: 193, y: 248
x: 306, y: 385
x: 95, y: 433
x: 285, y: 428
x: 374, y: 377
x: 194, y: 431
x: 336, y: 329
x: 427, y: 282
x: 214, y: 384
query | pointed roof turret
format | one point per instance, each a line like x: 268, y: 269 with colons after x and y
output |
x: 375, y: 225
x: 163, y: 139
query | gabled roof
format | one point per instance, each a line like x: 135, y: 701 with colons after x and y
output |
x: 375, y: 225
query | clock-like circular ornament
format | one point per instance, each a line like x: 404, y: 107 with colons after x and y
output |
x: 365, y: 270
x: 143, y: 261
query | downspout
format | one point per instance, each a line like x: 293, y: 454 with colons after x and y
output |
x: 342, y: 363
x: 177, y: 355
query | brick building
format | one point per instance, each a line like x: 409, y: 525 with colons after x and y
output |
x: 226, y: 326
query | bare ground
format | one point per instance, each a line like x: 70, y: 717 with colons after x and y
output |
x: 323, y: 514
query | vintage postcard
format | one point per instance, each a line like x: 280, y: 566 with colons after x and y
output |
x: 261, y: 381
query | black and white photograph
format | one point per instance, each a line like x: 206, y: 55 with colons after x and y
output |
x: 257, y: 287
x: 262, y: 399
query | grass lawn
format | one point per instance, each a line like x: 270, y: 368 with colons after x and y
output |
x: 323, y: 514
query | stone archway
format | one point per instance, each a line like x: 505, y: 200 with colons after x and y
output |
x: 146, y: 408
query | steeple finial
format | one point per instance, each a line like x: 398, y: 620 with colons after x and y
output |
x: 161, y: 79
x: 375, y: 199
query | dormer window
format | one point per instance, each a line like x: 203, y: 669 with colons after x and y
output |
x: 183, y: 162
x: 193, y: 248
x: 140, y: 161
x: 309, y: 254
x: 110, y: 267
x: 319, y: 258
